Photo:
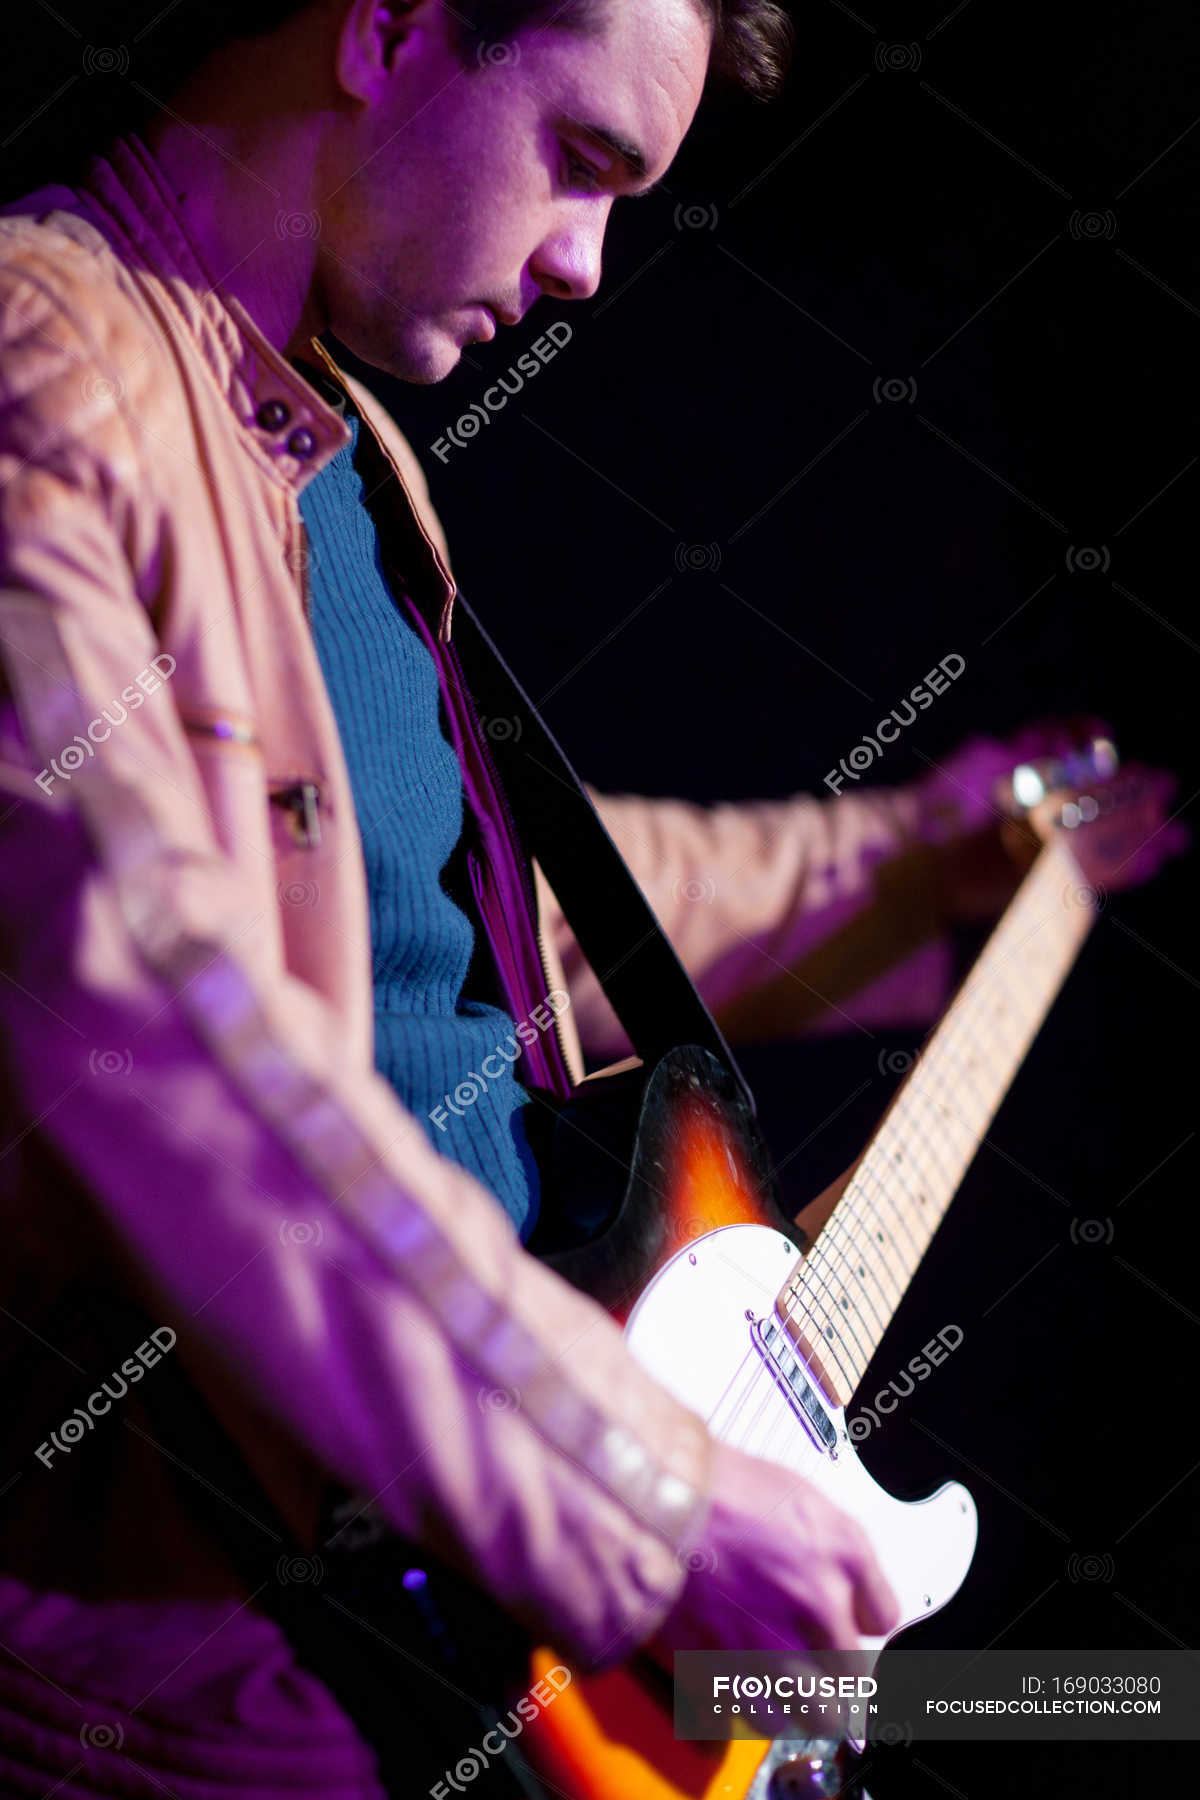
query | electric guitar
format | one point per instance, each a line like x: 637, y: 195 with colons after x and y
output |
x: 662, y: 1205
x: 766, y: 1337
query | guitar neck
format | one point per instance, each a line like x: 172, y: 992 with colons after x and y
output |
x: 840, y: 1298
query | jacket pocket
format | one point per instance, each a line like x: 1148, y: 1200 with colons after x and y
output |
x: 296, y: 801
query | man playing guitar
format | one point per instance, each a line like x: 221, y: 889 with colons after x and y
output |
x: 264, y: 911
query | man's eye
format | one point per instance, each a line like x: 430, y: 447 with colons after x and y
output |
x: 580, y: 172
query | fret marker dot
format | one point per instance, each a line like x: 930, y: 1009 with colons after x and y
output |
x: 879, y: 1235
x: 829, y: 1331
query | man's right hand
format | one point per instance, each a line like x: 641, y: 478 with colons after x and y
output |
x: 776, y: 1568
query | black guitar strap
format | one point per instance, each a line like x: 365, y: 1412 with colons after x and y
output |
x: 649, y: 990
x: 648, y: 987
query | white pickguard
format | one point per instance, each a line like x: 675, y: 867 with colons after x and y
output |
x: 691, y: 1330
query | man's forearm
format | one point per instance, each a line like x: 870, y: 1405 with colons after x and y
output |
x: 789, y: 915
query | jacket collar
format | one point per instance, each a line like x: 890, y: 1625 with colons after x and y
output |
x: 287, y: 421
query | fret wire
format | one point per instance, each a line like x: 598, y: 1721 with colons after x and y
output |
x: 804, y: 1275
x: 900, y: 1168
x: 960, y: 1086
x: 965, y: 1054
x: 1013, y: 1057
x: 929, y: 1147
x: 941, y: 1110
x: 947, y: 1105
x: 828, y: 1333
x: 995, y: 960
x: 865, y: 1248
x: 901, y: 1264
x: 908, y: 1131
x: 955, y: 1043
x: 825, y: 1236
x: 866, y: 1165
x: 818, y: 1275
x: 856, y: 1188
x: 940, y: 1103
x: 944, y: 1189
x: 963, y: 1037
x: 1012, y: 1046
x: 788, y: 1299
x: 925, y: 1221
x: 907, y: 1254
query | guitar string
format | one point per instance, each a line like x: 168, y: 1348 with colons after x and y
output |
x: 818, y: 1261
x: 752, y: 1357
x: 740, y: 1403
x: 811, y: 1270
x: 865, y: 1243
x: 819, y: 1333
x: 950, y: 1045
x: 769, y: 1387
x: 855, y: 1264
x: 828, y: 1332
x: 764, y: 1380
x: 817, y: 1275
x: 810, y: 1278
x: 818, y: 1258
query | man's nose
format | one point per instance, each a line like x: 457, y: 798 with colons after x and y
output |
x: 566, y: 264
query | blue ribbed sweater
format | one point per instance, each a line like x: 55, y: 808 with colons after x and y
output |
x: 408, y: 796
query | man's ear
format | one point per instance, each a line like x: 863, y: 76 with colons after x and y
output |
x: 374, y: 33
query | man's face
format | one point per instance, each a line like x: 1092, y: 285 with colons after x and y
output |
x: 465, y: 192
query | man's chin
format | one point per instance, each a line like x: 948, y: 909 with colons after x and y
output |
x: 423, y: 355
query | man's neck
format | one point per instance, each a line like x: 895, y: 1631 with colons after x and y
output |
x: 244, y: 193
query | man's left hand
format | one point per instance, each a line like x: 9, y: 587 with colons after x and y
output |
x: 983, y: 853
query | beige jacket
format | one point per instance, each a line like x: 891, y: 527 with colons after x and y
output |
x: 192, y: 1108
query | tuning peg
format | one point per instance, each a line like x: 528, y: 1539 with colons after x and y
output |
x: 1079, y: 812
x: 1030, y: 782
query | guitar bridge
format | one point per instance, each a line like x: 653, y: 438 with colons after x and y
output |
x: 778, y: 1351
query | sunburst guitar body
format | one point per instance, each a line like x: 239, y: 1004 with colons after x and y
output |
x: 698, y: 1264
x: 765, y: 1327
x: 658, y: 1201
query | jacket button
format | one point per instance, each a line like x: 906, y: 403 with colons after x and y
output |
x: 273, y: 415
x: 302, y: 443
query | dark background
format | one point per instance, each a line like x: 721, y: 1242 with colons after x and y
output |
x: 994, y: 210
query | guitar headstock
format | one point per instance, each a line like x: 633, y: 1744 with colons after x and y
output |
x: 1108, y: 815
x: 1066, y: 790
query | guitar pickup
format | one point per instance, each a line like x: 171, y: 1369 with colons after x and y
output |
x: 778, y: 1351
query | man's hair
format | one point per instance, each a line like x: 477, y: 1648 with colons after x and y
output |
x: 752, y: 39
x: 60, y: 113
